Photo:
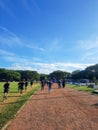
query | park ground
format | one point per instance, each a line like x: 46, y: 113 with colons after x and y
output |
x: 61, y: 109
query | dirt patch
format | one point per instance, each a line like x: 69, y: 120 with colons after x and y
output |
x: 62, y: 109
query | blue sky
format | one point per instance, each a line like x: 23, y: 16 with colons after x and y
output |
x: 48, y: 35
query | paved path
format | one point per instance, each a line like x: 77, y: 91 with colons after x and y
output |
x: 62, y: 109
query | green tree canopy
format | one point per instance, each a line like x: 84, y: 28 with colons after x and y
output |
x: 59, y: 74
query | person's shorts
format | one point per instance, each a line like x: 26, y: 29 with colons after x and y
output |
x: 21, y: 87
x: 6, y: 90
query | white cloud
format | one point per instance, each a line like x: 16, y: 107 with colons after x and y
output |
x: 17, y: 66
x: 34, y: 63
x: 47, y: 68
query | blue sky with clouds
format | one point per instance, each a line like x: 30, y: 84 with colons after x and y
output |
x: 48, y: 35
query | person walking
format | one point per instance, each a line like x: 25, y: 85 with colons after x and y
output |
x: 42, y: 84
x: 50, y: 85
x: 6, y: 90
x: 26, y: 84
x: 31, y: 83
x: 60, y: 83
x: 21, y: 84
x: 63, y: 83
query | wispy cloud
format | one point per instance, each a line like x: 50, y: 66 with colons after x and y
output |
x: 88, y: 44
x: 55, y: 45
x: 14, y: 58
x: 30, y: 5
x: 33, y: 46
x: 34, y: 63
x: 8, y: 6
x: 6, y: 53
x: 91, y: 56
x: 41, y: 67
x: 17, y: 66
x: 8, y: 32
x: 89, y: 49
x: 10, y: 39
x: 4, y: 5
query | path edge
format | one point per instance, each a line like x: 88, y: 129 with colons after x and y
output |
x: 9, y: 122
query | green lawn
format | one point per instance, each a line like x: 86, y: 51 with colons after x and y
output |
x: 13, y: 88
x: 81, y: 88
x: 9, y: 108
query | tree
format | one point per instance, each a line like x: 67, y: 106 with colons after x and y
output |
x: 29, y: 75
x: 9, y: 75
x: 58, y: 74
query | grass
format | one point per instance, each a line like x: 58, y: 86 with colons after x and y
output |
x: 14, y: 102
x: 81, y: 88
x: 13, y: 89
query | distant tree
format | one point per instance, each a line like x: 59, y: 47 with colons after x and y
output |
x: 13, y: 76
x: 43, y: 76
x: 30, y: 75
x: 35, y: 75
x: 90, y: 72
x: 9, y: 75
x: 58, y: 74
x: 75, y: 72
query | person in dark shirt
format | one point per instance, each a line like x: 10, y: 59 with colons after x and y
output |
x: 42, y: 84
x: 6, y: 90
x: 63, y: 83
x: 31, y: 83
x: 26, y: 84
x: 20, y: 87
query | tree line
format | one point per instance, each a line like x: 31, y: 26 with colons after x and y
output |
x: 17, y: 75
x: 90, y: 72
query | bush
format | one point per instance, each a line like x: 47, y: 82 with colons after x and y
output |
x: 90, y: 86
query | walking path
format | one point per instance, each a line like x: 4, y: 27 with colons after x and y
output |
x: 62, y: 109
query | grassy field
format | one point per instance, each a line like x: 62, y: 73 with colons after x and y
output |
x: 81, y: 88
x: 9, y: 108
